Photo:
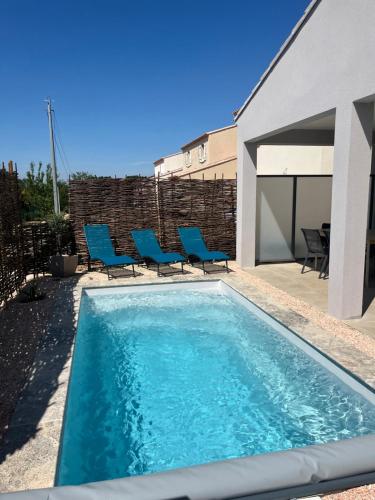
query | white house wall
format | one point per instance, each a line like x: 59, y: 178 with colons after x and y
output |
x: 329, y: 63
x: 295, y: 160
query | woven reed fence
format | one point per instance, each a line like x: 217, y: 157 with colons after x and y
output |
x: 209, y: 204
x: 25, y: 248
x: 144, y: 202
x: 39, y: 243
x: 12, y: 271
x: 123, y: 204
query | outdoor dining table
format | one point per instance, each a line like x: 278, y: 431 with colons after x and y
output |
x: 370, y: 240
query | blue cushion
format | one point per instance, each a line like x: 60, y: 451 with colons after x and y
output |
x: 148, y: 247
x: 146, y: 242
x: 100, y: 246
x: 193, y: 243
x: 98, y: 241
x: 192, y: 240
x: 206, y: 256
x: 166, y: 258
x: 117, y: 260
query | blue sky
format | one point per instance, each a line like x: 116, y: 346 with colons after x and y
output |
x: 131, y: 80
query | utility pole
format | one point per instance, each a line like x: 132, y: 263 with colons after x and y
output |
x: 56, y: 196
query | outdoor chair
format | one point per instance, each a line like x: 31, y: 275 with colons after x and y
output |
x: 196, y: 249
x: 149, y: 249
x: 327, y: 236
x: 100, y: 247
x: 315, y: 249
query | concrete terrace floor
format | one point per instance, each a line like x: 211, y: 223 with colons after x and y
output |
x: 28, y: 454
x: 314, y: 291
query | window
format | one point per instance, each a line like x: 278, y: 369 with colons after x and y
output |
x: 202, y: 152
x: 188, y: 158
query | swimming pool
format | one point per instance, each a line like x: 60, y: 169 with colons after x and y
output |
x: 173, y: 375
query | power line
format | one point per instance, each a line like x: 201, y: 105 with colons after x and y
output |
x: 61, y: 155
x: 60, y: 147
x: 67, y: 171
x: 56, y: 196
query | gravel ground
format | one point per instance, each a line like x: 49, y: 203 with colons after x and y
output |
x: 364, y: 493
x: 20, y: 335
x: 22, y: 329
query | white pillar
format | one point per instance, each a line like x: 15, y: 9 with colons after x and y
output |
x: 246, y: 203
x: 350, y: 189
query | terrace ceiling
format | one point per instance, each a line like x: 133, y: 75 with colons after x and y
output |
x: 315, y: 131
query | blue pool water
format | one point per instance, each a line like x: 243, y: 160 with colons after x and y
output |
x: 166, y: 379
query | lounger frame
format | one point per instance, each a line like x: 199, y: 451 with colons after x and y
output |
x: 150, y: 260
x: 194, y: 259
x: 106, y: 268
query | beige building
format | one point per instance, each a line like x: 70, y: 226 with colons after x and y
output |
x: 169, y: 165
x: 212, y: 153
x: 215, y: 154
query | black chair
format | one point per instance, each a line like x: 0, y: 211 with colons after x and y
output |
x: 327, y: 236
x: 315, y: 249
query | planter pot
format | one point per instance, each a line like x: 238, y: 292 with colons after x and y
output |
x: 63, y: 265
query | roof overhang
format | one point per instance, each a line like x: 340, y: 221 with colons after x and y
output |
x: 194, y: 141
x: 206, y: 134
x: 161, y: 160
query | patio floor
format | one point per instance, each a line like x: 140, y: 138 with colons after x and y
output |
x: 32, y: 426
x: 313, y: 291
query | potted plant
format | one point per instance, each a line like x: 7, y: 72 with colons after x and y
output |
x: 62, y: 264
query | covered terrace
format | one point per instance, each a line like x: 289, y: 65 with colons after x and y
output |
x: 326, y: 98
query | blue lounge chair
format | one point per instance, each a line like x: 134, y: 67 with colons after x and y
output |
x: 100, y: 247
x: 196, y: 249
x: 149, y: 249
